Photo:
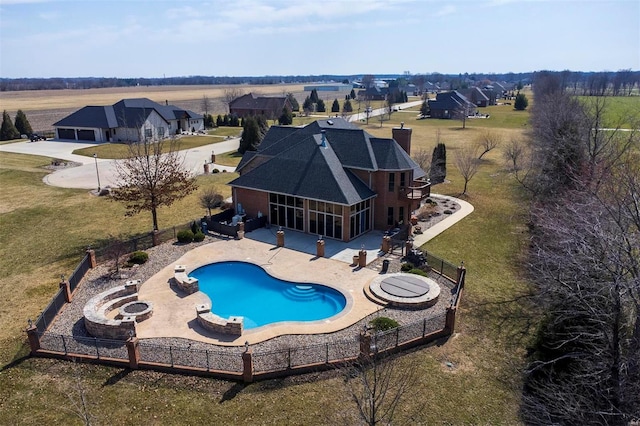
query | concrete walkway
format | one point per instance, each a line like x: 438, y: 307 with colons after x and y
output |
x: 465, y: 210
x: 85, y: 176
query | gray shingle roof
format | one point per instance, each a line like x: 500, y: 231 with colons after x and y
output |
x: 292, y: 161
x: 125, y: 113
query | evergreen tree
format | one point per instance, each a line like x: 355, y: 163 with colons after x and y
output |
x: 286, y: 118
x: 320, y: 106
x: 438, y: 164
x: 295, y: 106
x: 353, y: 94
x: 250, y: 135
x: 225, y: 120
x: 308, y: 104
x: 406, y: 97
x: 219, y: 121
x: 424, y: 109
x: 346, y: 107
x: 234, y: 121
x: 263, y: 125
x: 314, y: 96
x: 22, y: 123
x: 8, y: 131
x: 521, y: 102
x: 335, y: 107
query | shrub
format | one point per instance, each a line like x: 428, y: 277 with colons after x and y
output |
x: 215, y: 170
x: 185, y: 236
x: 138, y: 257
x: 407, y: 266
x: 194, y: 227
x: 198, y: 236
x: 447, y: 212
x: 418, y: 272
x: 383, y: 323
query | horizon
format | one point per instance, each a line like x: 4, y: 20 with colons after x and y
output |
x: 261, y: 38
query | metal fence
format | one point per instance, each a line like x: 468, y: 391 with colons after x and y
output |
x: 48, y: 315
x: 78, y: 273
x: 442, y: 267
x: 184, y: 356
x: 229, y: 360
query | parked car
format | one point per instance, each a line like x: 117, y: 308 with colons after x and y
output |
x: 36, y: 137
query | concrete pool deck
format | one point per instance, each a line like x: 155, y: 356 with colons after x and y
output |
x: 174, y: 312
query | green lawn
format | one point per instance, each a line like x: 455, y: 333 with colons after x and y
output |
x: 621, y: 111
x: 43, y: 233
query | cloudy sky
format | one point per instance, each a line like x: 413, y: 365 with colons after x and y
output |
x: 140, y: 38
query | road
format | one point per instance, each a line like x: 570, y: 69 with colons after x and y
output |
x: 379, y: 111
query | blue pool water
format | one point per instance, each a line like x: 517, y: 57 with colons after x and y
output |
x: 247, y: 290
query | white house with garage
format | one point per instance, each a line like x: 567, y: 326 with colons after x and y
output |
x: 129, y: 120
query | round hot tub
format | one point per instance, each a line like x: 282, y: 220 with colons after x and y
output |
x: 408, y: 290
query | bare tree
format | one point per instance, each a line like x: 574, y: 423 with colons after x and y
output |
x: 377, y: 385
x: 77, y: 396
x: 422, y: 157
x: 210, y: 199
x: 206, y: 104
x: 466, y: 161
x: 152, y: 176
x: 368, y: 81
x: 231, y: 94
x: 487, y: 141
x: 116, y: 248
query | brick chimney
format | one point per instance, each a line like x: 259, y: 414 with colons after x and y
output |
x: 402, y: 135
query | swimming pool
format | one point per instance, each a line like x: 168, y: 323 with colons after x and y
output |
x: 247, y: 290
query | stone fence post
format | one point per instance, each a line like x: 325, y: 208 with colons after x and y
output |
x: 320, y: 248
x: 461, y: 274
x: 66, y: 289
x: 280, y: 238
x: 247, y: 366
x: 34, y: 338
x: 365, y: 345
x: 134, y: 352
x: 450, y: 322
x: 92, y: 258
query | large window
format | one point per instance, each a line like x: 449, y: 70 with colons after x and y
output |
x: 325, y: 219
x: 360, y: 218
x: 286, y: 211
x: 390, y: 218
x: 148, y: 133
x: 403, y: 182
x: 392, y: 182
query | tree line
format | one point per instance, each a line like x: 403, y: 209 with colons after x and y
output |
x: 583, y: 177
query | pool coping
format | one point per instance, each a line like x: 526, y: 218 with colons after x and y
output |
x: 175, y: 311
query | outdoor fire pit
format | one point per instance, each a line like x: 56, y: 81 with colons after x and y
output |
x: 139, y: 309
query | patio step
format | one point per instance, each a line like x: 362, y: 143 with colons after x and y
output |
x: 302, y: 292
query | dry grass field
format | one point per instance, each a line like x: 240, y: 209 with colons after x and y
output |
x: 45, y: 107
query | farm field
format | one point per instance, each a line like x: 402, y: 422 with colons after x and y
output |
x: 45, y: 107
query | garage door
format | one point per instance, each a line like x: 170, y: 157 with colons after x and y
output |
x: 66, y: 134
x: 86, y: 135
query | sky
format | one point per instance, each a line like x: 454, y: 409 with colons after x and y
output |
x: 141, y: 38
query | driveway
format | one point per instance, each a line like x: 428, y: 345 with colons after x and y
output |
x: 85, y: 176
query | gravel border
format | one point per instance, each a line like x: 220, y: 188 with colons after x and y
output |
x: 70, y: 320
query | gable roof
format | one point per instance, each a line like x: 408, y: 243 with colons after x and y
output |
x: 124, y: 113
x: 316, y: 161
x: 449, y: 101
x: 251, y: 102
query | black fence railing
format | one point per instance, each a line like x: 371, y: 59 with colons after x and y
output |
x: 49, y: 314
x: 77, y: 275
x: 229, y: 360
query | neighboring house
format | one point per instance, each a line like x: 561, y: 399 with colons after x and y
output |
x: 373, y: 93
x: 270, y: 107
x: 127, y: 120
x: 477, y: 97
x: 330, y: 178
x: 451, y: 105
x: 335, y: 87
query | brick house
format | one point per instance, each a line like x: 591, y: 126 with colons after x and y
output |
x: 450, y: 105
x: 331, y: 178
x: 270, y: 107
